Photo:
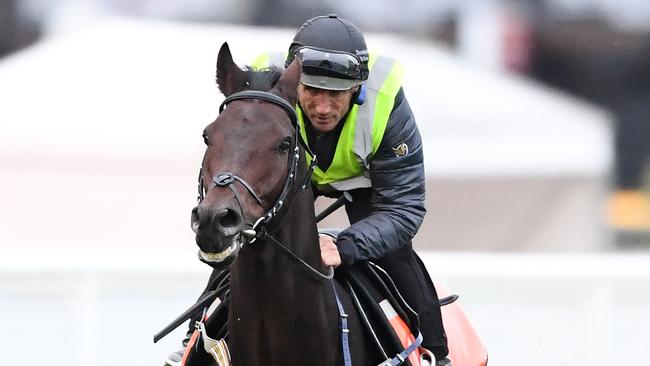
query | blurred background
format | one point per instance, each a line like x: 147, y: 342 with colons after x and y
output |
x: 534, y: 116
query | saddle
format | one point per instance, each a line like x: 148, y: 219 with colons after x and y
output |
x: 389, y: 322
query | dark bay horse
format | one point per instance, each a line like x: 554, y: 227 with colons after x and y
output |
x: 256, y: 215
x: 256, y: 218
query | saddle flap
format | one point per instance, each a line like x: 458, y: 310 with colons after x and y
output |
x: 389, y: 321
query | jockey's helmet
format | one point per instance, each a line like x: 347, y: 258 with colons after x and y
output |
x: 332, y: 51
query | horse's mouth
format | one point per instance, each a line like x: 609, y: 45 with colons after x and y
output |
x: 217, y: 258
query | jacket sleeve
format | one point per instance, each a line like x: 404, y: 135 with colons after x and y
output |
x: 398, y: 191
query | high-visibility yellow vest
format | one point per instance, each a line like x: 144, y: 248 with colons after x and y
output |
x: 363, y: 128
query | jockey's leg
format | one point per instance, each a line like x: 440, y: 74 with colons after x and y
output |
x: 414, y: 283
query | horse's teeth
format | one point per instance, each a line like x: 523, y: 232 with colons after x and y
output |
x: 218, y: 257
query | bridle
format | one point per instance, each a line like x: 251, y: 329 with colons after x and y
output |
x: 228, y: 179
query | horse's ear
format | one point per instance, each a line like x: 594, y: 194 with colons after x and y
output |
x: 230, y: 77
x: 288, y: 83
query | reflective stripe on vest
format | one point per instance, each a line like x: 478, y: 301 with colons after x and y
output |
x: 364, y: 126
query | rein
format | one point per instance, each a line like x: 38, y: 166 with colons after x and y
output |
x: 227, y: 179
x: 316, y: 274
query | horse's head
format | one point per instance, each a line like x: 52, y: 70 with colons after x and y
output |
x: 251, y: 148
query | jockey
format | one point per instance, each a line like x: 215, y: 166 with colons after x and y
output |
x: 355, y: 117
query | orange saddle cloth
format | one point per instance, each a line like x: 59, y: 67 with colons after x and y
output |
x: 465, y: 346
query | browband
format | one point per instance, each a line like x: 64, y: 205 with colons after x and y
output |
x: 271, y: 98
x: 262, y: 95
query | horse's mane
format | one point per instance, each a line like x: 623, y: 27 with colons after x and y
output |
x: 263, y: 79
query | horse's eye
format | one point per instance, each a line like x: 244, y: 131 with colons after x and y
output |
x: 205, y: 138
x: 285, y: 145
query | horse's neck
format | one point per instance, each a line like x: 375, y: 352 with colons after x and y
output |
x: 299, y: 233
x: 275, y: 304
x: 267, y: 283
x: 262, y: 264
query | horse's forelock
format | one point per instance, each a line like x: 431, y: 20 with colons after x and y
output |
x: 263, y: 79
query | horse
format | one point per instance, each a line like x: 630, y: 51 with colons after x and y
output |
x: 255, y: 219
x: 256, y: 216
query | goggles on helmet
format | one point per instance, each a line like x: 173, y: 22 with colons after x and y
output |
x: 329, y: 63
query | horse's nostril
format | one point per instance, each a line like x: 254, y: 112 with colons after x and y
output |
x: 230, y: 219
x: 227, y: 221
x: 194, y: 220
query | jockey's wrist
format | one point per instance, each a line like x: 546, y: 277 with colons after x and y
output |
x: 347, y: 250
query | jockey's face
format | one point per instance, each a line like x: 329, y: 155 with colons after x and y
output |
x: 323, y: 107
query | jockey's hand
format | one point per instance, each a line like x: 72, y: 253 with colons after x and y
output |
x: 328, y: 251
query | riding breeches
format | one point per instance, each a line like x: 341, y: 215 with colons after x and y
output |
x: 413, y: 281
